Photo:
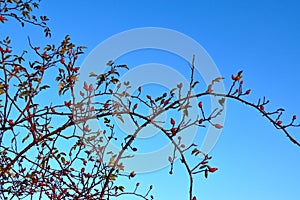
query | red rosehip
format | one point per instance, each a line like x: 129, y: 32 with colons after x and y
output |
x: 262, y: 107
x: 172, y: 121
x: 174, y: 130
x: 11, y: 122
x: 68, y: 103
x: 200, y: 104
x: 132, y: 174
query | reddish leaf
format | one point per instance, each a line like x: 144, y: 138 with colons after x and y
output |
x: 212, y: 169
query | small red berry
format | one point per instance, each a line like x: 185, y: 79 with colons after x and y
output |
x: 132, y: 174
x: 262, y: 107
x: 172, y: 121
x: 248, y: 91
x: 200, y: 104
x: 174, y: 130
x: 68, y: 103
x: 11, y: 122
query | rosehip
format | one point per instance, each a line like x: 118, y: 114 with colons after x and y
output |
x: 262, y: 107
x: 68, y: 103
x: 11, y: 122
x: 132, y: 174
x: 200, y: 104
x: 172, y: 121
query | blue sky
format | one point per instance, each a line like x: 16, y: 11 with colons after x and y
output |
x: 255, y: 160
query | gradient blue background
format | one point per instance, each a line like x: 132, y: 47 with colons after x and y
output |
x: 255, y: 160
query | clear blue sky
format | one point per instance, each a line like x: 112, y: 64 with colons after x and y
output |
x: 255, y: 160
